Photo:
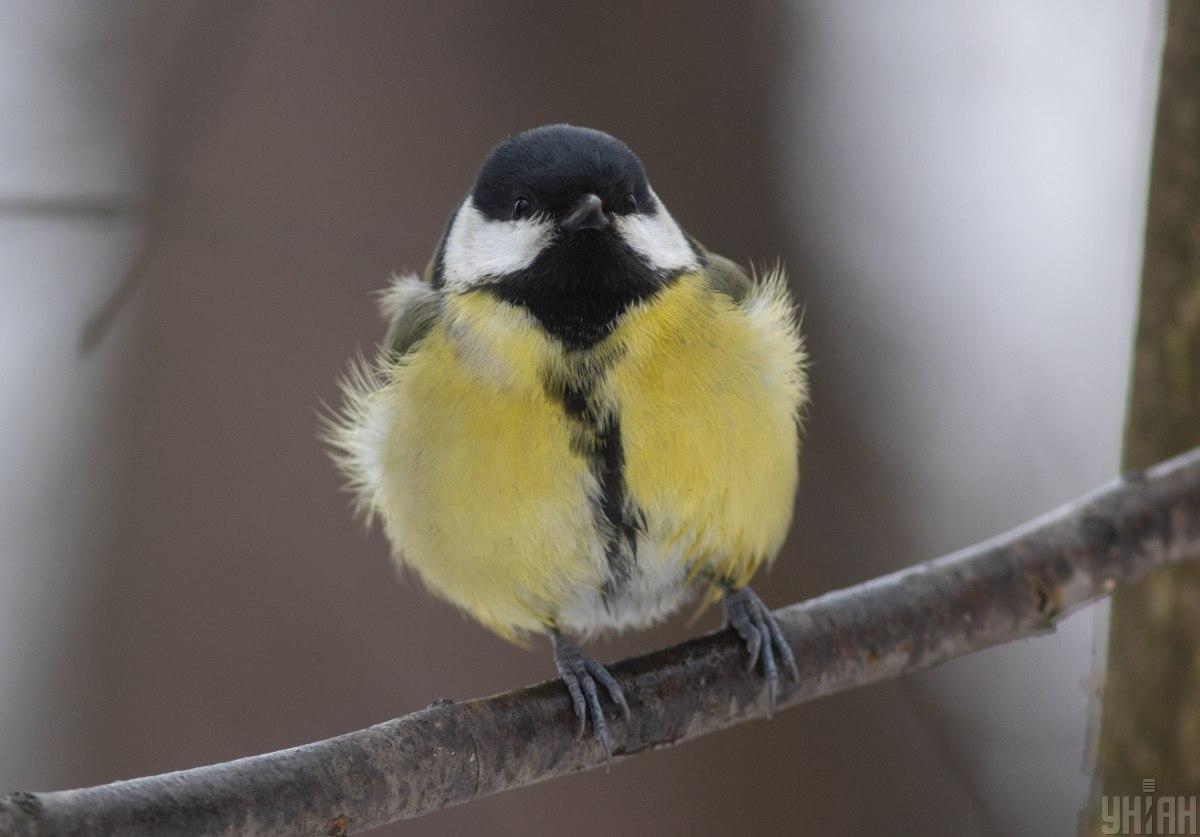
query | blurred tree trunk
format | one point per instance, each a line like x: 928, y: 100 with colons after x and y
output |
x: 1150, y: 727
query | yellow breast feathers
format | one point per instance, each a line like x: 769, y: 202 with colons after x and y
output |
x: 534, y: 486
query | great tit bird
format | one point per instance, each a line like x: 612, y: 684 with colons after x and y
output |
x: 579, y: 414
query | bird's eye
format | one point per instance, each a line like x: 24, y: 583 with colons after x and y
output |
x: 520, y: 208
x: 631, y: 204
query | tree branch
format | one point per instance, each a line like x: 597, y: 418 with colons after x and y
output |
x: 1013, y: 586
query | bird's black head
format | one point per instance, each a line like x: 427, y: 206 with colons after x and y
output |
x: 559, y: 170
x: 562, y: 221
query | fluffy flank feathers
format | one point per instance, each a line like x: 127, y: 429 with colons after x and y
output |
x: 770, y: 303
x: 397, y: 296
x: 356, y: 432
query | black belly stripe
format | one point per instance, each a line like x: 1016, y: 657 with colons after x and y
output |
x: 597, y: 437
x: 609, y: 467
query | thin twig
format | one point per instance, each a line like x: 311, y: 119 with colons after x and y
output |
x: 1013, y: 586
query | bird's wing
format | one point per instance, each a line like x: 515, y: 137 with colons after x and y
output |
x: 411, y: 306
x: 724, y: 275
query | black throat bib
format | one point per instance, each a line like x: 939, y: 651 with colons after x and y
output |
x: 580, y: 285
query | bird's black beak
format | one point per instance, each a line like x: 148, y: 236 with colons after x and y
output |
x: 588, y: 214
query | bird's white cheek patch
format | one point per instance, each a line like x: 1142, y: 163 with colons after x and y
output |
x: 657, y: 239
x: 477, y: 247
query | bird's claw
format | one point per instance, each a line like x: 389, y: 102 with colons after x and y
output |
x: 580, y: 673
x: 756, y: 625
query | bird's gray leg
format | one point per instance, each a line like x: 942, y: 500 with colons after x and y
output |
x: 746, y: 614
x: 580, y: 673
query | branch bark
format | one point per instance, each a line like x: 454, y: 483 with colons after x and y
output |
x: 1013, y: 586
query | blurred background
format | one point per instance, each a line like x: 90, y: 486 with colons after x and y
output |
x: 957, y: 189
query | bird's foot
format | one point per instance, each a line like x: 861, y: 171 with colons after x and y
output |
x: 755, y: 624
x: 580, y: 673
